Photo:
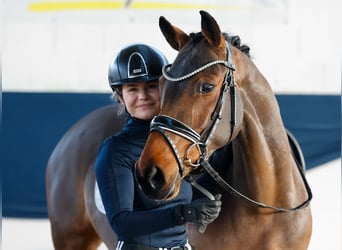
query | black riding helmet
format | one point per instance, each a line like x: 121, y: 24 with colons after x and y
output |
x: 135, y: 63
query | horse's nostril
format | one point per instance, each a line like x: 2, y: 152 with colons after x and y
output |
x: 156, y: 178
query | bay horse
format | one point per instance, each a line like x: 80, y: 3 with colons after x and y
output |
x: 75, y: 221
x: 215, y: 98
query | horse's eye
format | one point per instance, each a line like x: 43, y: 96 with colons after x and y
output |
x: 206, y: 88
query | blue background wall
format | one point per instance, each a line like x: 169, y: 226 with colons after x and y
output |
x: 33, y: 123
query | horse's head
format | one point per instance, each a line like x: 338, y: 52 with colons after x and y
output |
x: 201, y: 108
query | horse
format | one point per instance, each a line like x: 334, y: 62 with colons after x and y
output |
x: 214, y: 98
x: 76, y: 222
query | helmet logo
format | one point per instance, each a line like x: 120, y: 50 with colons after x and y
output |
x: 136, y: 66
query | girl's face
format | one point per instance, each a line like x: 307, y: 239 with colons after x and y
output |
x: 142, y: 100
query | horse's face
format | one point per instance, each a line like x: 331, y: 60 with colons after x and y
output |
x: 186, y: 103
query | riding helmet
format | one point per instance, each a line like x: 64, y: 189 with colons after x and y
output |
x: 136, y: 63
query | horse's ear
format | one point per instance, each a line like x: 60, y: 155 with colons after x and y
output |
x: 174, y: 36
x: 210, y: 29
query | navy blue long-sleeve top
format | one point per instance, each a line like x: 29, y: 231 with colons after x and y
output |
x: 132, y: 215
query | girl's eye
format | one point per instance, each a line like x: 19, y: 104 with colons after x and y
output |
x: 132, y: 89
x: 153, y: 85
x: 206, y: 88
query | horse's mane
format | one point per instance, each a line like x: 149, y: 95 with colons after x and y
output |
x: 232, y: 39
x: 236, y: 42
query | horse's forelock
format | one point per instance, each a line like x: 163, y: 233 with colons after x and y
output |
x: 196, y: 37
x: 232, y: 39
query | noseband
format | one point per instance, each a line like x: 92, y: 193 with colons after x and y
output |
x: 163, y: 123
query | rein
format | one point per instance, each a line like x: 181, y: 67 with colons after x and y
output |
x: 211, y: 171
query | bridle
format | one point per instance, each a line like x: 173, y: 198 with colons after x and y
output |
x: 163, y: 123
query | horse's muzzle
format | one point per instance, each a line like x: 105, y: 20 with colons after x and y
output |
x: 153, y: 184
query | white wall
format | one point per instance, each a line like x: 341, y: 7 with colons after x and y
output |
x: 297, y: 46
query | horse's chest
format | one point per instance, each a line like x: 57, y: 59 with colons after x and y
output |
x: 243, y: 232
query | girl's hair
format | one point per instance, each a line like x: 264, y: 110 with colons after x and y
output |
x: 115, y: 98
x: 117, y: 91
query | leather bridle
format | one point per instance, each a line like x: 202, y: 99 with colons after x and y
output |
x: 163, y: 123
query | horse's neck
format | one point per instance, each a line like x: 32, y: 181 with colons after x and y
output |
x: 264, y: 155
x: 264, y: 140
x: 263, y: 135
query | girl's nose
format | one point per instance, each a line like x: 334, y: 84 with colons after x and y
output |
x: 143, y: 94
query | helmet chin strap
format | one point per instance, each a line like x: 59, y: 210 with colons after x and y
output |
x: 127, y: 112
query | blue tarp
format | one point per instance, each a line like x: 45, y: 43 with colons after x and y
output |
x: 33, y: 123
